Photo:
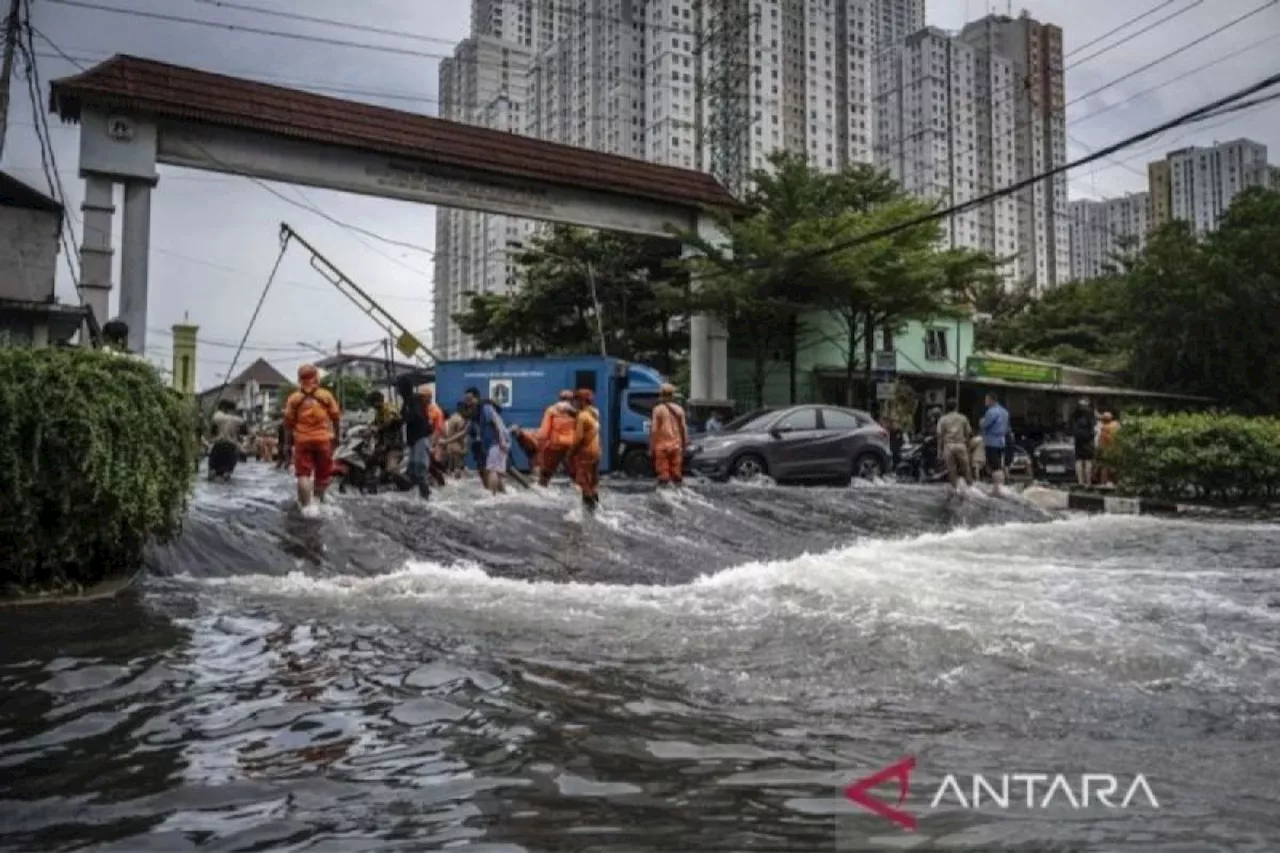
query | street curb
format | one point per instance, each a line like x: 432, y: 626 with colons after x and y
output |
x: 1122, y: 506
x: 100, y: 591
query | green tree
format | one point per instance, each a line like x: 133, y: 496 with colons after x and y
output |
x: 975, y: 280
x: 767, y: 271
x: 553, y: 309
x: 1081, y: 323
x: 1204, y: 313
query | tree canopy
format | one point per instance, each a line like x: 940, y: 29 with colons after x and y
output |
x: 553, y: 310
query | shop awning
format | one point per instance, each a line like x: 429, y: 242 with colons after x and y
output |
x: 1043, y: 387
x: 1076, y: 390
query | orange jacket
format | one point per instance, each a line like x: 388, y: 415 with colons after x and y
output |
x: 435, y: 415
x: 586, y: 434
x: 1109, y: 432
x: 667, y: 430
x: 311, y: 413
x: 558, y: 426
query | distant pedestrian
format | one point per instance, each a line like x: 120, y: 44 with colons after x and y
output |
x: 1083, y: 430
x: 713, y: 423
x: 995, y: 433
x: 1106, y: 441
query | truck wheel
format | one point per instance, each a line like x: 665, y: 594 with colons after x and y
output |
x: 637, y: 464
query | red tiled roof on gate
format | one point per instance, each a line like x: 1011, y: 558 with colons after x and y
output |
x: 175, y: 92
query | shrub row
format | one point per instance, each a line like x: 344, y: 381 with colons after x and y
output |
x: 1205, y: 454
x: 97, y: 457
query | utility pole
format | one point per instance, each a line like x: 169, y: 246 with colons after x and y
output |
x: 11, y: 30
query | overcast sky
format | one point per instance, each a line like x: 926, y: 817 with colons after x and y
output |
x: 214, y: 237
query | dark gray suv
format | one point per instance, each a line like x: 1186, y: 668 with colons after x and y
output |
x: 795, y: 443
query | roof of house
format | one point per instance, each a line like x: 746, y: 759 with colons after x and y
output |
x: 14, y: 193
x: 177, y: 92
x: 260, y: 372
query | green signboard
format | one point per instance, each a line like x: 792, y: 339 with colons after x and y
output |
x: 1013, y: 371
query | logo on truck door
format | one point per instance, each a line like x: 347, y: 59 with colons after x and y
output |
x: 500, y: 391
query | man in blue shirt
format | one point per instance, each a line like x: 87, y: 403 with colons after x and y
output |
x: 489, y: 440
x: 994, y: 427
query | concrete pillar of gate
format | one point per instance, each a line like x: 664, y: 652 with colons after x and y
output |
x: 98, y: 209
x: 708, y: 341
x: 135, y: 250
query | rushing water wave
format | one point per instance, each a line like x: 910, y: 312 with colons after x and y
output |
x: 702, y: 671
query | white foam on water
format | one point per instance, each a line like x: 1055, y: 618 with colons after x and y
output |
x: 1018, y: 591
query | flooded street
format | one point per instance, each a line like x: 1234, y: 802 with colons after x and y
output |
x: 704, y: 671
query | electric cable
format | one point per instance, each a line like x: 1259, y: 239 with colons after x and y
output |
x: 1175, y: 52
x: 284, y: 245
x: 49, y: 165
x: 239, y: 28
x: 312, y: 19
x: 1117, y: 29
x: 1210, y: 110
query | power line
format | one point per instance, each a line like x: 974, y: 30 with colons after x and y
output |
x: 311, y: 19
x: 1012, y: 86
x: 1210, y: 110
x: 48, y: 159
x: 1142, y: 31
x: 79, y: 62
x: 239, y: 28
x: 1176, y: 51
x: 1115, y: 30
x: 1232, y: 55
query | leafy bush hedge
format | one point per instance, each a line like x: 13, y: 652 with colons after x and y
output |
x: 97, y: 457
x: 1206, y: 455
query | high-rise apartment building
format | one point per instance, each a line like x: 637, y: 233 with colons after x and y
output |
x: 1039, y: 139
x: 1197, y: 185
x: 646, y: 79
x: 1102, y: 231
x: 945, y: 130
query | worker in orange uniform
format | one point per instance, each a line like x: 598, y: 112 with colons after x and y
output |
x: 556, y: 436
x: 439, y: 425
x: 586, y: 449
x: 311, y: 415
x: 668, y: 438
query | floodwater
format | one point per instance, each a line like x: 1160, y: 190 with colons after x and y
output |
x: 701, y: 671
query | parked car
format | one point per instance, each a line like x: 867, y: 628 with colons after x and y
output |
x: 795, y: 443
x: 1055, y: 460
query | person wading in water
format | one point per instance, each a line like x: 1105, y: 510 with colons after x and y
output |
x: 556, y: 437
x: 586, y: 450
x: 312, y: 416
x: 228, y: 428
x: 668, y: 438
x: 954, y: 434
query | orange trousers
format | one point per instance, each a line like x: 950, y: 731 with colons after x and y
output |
x: 552, y: 459
x: 586, y: 473
x: 669, y: 464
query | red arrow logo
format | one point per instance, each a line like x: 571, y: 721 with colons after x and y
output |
x: 858, y: 792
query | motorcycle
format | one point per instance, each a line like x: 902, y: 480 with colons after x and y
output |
x: 357, y: 464
x: 919, y: 463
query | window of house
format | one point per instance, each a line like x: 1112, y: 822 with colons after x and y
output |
x: 935, y: 344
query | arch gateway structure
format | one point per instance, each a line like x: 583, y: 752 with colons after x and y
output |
x: 135, y: 113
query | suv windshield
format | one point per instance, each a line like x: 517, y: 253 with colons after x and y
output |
x: 751, y: 422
